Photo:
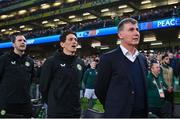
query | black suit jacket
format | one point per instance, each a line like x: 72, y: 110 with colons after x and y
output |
x: 114, y: 87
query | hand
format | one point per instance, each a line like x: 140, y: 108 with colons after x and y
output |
x: 170, y: 89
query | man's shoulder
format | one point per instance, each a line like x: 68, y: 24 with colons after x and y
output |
x: 143, y: 58
x: 149, y: 75
x: 88, y: 70
x: 80, y: 61
x: 142, y: 55
x: 29, y: 58
x: 111, y: 52
x: 4, y: 56
x: 51, y: 59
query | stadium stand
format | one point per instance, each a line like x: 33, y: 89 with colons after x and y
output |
x: 102, y: 22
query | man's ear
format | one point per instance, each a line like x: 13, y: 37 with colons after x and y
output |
x: 120, y: 35
x: 61, y: 44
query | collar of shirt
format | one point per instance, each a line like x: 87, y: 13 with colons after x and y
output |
x: 129, y: 55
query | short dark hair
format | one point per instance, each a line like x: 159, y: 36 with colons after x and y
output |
x: 62, y: 38
x: 153, y: 61
x: 124, y: 21
x: 14, y: 35
x: 165, y: 55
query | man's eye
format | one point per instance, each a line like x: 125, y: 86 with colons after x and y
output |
x: 70, y: 39
x: 131, y: 29
x: 73, y: 39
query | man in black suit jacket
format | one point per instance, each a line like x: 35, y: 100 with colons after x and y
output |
x: 121, y: 82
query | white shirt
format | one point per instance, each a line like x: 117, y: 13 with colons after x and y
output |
x: 129, y: 55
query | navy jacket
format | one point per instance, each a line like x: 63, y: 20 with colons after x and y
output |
x: 114, y: 87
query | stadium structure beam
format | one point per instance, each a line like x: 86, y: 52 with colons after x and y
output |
x: 63, y: 19
x: 135, y: 4
x: 36, y: 24
x: 93, y: 12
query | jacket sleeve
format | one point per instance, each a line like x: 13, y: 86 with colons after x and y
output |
x: 165, y: 86
x: 103, y: 79
x: 2, y: 62
x: 177, y: 69
x: 85, y: 78
x: 45, y: 78
x: 145, y: 64
x: 32, y: 71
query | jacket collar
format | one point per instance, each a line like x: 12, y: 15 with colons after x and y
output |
x: 68, y: 58
x: 14, y: 55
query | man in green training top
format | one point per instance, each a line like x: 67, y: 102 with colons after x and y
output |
x: 88, y: 80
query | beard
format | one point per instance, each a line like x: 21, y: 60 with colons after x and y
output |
x: 22, y: 49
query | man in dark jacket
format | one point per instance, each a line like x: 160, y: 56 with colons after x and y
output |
x: 121, y: 82
x: 16, y: 73
x: 60, y: 79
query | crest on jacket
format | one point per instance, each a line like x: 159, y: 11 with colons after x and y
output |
x: 63, y: 65
x: 79, y: 67
x: 27, y: 64
x: 3, y: 112
x: 13, y: 62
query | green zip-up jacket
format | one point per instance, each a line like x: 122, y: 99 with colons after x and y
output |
x: 154, y: 99
x: 89, y: 78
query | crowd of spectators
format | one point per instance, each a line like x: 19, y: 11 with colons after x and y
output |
x: 174, y: 57
x: 147, y: 15
x: 6, y: 3
x: 153, y: 14
x: 41, y: 11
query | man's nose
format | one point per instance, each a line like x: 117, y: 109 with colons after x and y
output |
x: 23, y: 42
x: 136, y: 32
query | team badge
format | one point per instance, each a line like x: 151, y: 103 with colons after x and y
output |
x: 3, y: 112
x: 13, y: 62
x: 63, y: 65
x: 79, y: 67
x: 27, y: 64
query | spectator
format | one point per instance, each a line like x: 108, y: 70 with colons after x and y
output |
x: 168, y: 76
x: 156, y: 95
x: 89, y: 79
